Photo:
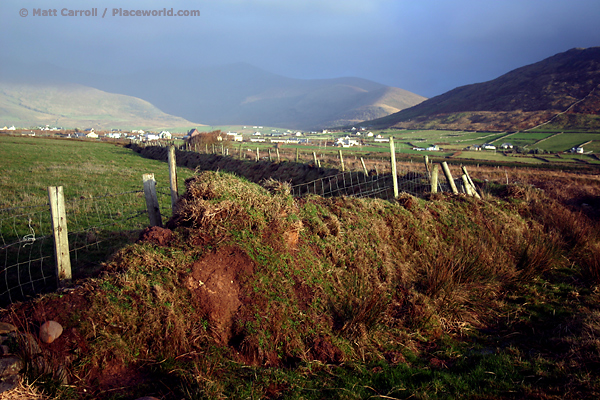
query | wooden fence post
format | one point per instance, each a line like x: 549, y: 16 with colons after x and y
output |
x: 467, y: 185
x: 474, y: 189
x: 427, y: 166
x: 257, y: 155
x: 297, y: 154
x: 362, y: 161
x: 342, y: 161
x: 270, y: 158
x: 315, y: 159
x: 278, y: 158
x: 173, y: 177
x: 61, y: 234
x: 152, y: 200
x: 394, y: 172
x: 449, y: 177
x: 434, y: 178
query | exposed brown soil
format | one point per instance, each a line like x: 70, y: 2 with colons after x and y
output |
x: 216, y: 282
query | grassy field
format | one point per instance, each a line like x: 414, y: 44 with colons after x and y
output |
x: 105, y: 206
x: 83, y: 168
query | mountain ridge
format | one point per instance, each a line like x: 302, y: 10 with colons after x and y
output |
x: 76, y: 106
x: 242, y: 94
x: 558, y: 88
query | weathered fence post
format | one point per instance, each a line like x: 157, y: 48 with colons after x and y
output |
x: 270, y: 158
x: 297, y: 154
x: 341, y: 160
x: 474, y: 189
x: 152, y: 200
x: 362, y: 161
x: 449, y: 177
x: 278, y: 158
x: 257, y: 155
x: 173, y: 177
x: 434, y: 178
x: 315, y: 159
x: 241, y: 150
x: 61, y: 234
x: 427, y: 166
x: 467, y: 185
x: 394, y: 172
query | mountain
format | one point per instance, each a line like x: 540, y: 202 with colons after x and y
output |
x: 241, y: 94
x: 73, y: 105
x: 563, y: 89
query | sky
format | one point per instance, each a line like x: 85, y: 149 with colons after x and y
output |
x: 425, y: 46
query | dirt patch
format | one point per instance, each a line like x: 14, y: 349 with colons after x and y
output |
x: 157, y: 236
x: 216, y: 282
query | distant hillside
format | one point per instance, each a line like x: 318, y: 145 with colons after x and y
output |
x: 77, y: 106
x: 241, y: 94
x: 563, y: 88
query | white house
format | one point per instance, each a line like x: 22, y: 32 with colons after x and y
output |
x: 92, y: 135
x: 165, y: 135
x: 578, y: 150
x: 507, y: 146
x: 487, y: 146
x: 346, y: 142
x: 433, y: 148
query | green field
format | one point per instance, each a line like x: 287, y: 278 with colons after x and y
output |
x: 84, y: 168
x: 104, y: 203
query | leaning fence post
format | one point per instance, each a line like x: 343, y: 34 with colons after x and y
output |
x: 315, y: 159
x: 362, y: 161
x: 394, y: 172
x: 434, y: 178
x: 474, y: 189
x: 449, y: 177
x: 61, y: 234
x: 173, y: 177
x: 152, y: 200
x: 427, y: 166
x: 341, y: 160
x: 278, y: 158
x: 467, y: 185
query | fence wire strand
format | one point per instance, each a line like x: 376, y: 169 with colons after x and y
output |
x: 97, y: 226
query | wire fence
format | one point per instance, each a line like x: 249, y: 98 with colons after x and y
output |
x: 97, y: 226
x: 359, y: 184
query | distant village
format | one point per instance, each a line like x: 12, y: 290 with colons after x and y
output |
x: 351, y: 137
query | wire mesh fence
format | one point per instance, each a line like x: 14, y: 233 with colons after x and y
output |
x: 97, y: 227
x: 359, y: 184
x: 26, y: 249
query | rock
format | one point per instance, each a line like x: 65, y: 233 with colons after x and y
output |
x: 50, y: 331
x: 9, y: 383
x: 5, y: 328
x: 10, y: 365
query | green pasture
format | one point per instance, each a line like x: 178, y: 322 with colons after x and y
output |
x: 84, y: 168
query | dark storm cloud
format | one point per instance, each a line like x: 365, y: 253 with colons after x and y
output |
x: 427, y: 47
